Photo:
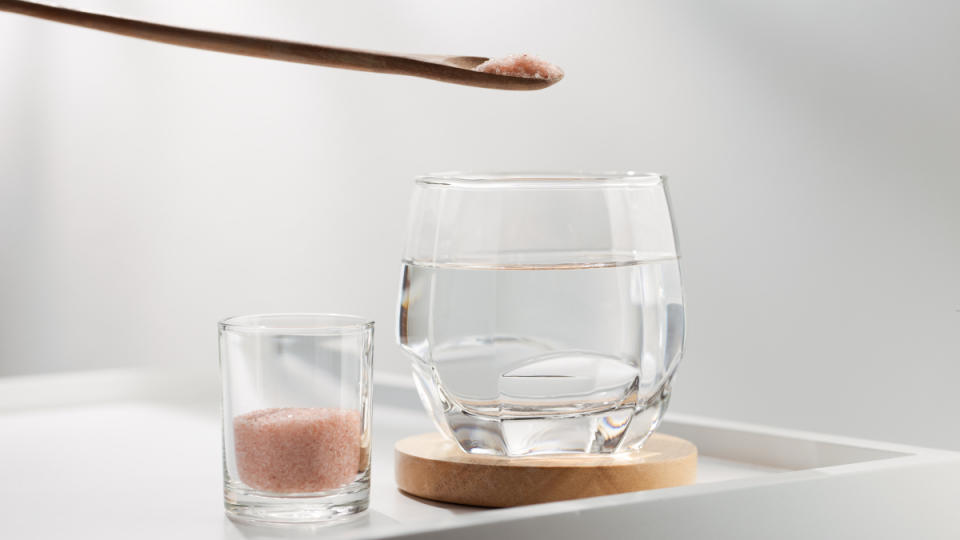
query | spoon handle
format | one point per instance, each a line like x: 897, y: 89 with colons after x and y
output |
x: 260, y: 47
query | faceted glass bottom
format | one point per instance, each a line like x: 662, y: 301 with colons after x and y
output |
x: 616, y: 429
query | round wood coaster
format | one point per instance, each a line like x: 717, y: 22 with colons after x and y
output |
x: 433, y: 467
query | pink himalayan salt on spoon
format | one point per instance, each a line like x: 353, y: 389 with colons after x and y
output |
x: 297, y: 450
x: 522, y: 65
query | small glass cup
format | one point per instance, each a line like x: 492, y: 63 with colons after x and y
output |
x: 296, y: 416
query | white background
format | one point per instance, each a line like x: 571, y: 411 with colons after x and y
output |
x: 147, y: 191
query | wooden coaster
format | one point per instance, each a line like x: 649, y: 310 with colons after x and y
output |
x: 432, y: 467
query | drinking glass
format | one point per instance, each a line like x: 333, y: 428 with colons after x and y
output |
x: 543, y: 313
x: 296, y: 416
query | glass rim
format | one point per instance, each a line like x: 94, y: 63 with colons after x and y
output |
x: 321, y: 323
x: 542, y: 179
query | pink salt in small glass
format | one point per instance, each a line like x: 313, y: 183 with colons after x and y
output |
x: 296, y: 416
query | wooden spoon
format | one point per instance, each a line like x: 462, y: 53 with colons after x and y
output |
x: 450, y: 69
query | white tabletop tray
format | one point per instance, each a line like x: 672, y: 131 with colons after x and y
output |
x: 125, y: 455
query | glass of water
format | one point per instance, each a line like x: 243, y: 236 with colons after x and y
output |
x: 296, y: 416
x: 543, y: 312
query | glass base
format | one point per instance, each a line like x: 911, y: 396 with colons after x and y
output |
x: 252, y: 506
x: 606, y: 432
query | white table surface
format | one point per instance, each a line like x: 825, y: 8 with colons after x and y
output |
x: 118, y: 456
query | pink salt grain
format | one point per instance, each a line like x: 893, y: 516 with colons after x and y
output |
x: 521, y: 65
x: 297, y: 450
